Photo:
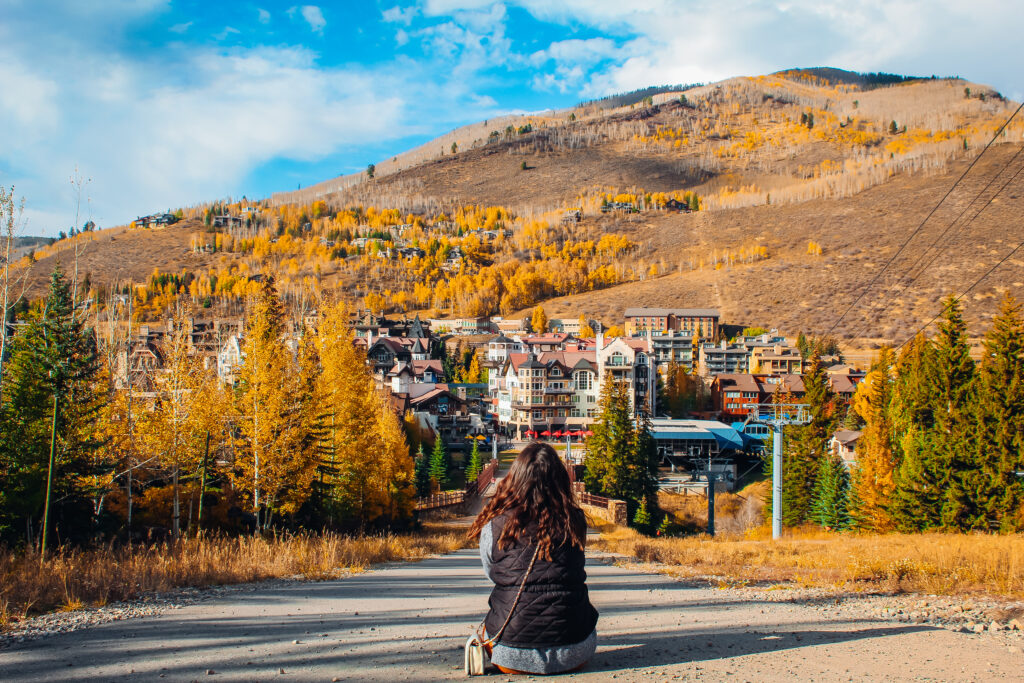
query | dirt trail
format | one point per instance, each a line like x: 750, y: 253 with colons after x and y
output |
x: 407, y: 622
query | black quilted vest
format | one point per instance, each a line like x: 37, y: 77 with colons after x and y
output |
x: 555, y: 607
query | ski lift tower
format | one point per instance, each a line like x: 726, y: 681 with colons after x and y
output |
x: 777, y: 416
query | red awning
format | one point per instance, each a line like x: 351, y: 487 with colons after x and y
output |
x: 530, y: 432
x: 575, y: 432
x: 558, y: 434
x: 545, y: 433
x: 588, y: 433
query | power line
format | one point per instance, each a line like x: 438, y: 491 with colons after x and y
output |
x: 905, y: 285
x: 954, y: 221
x: 968, y: 290
x: 922, y: 224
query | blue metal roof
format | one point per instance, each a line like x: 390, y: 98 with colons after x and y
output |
x: 725, y: 436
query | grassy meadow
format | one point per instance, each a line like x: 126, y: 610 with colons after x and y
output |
x: 74, y: 578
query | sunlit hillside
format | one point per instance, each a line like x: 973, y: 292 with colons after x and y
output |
x: 804, y: 180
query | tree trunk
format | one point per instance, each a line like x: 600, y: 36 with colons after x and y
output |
x: 176, y: 518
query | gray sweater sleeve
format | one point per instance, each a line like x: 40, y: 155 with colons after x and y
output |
x: 486, y: 543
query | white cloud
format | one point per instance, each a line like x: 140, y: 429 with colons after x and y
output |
x: 399, y: 15
x: 313, y: 16
x: 666, y: 41
x: 149, y: 144
x: 180, y: 28
x: 228, y: 31
x: 263, y: 15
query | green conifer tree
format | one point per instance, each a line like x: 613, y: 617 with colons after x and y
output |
x: 439, y: 464
x: 608, y: 450
x: 422, y: 473
x: 49, y: 396
x: 832, y: 495
x: 642, y: 518
x: 998, y: 420
x: 803, y: 345
x: 474, y: 466
x: 932, y: 409
x: 806, y: 446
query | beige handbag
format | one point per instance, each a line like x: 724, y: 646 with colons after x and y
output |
x: 477, y: 659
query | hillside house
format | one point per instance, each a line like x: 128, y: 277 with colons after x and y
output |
x: 676, y: 205
x: 843, y: 445
x: 228, y: 221
x: 155, y: 220
x: 229, y: 359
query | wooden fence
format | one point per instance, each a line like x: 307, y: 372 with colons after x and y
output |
x: 441, y: 500
x: 450, y: 498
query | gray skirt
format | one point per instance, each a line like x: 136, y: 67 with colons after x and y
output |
x: 545, y: 660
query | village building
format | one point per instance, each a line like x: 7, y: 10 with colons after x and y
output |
x: 843, y: 445
x: 702, y: 322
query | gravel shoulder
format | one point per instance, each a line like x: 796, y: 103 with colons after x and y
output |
x: 407, y: 622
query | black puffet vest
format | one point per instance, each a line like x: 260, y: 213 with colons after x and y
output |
x: 555, y: 607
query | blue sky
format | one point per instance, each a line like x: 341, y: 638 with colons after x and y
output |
x: 164, y: 103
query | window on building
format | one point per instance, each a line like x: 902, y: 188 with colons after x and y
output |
x: 584, y: 380
x: 732, y: 394
x: 538, y: 415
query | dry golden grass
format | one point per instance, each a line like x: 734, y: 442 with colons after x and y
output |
x: 927, y: 563
x: 72, y: 578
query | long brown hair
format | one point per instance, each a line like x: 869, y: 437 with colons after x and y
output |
x: 536, y: 491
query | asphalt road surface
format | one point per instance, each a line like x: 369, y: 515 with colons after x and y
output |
x: 408, y: 622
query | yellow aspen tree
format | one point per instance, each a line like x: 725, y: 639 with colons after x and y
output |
x: 585, y: 329
x: 346, y: 387
x: 539, y: 320
x: 873, y: 480
x: 169, y: 432
x: 371, y: 472
x: 473, y: 374
x: 268, y: 405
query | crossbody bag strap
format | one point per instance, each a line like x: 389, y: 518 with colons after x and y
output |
x: 494, y: 639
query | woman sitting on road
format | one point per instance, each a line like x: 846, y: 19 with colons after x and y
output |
x: 532, y: 535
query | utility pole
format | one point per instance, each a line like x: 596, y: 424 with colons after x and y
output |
x: 49, y: 480
x: 777, y: 416
x: 711, y: 478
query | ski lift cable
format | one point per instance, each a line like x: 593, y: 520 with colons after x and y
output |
x: 920, y: 227
x: 964, y: 227
x: 965, y: 293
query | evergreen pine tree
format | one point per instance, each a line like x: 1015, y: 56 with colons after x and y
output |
x: 52, y: 357
x: 422, y: 473
x: 806, y: 446
x: 932, y: 409
x: 832, y: 495
x: 664, y: 526
x: 439, y: 464
x: 474, y: 466
x: 803, y: 345
x: 998, y: 420
x: 607, y: 459
x: 642, y: 518
x: 644, y: 460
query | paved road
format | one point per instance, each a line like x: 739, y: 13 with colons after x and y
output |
x: 407, y: 622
